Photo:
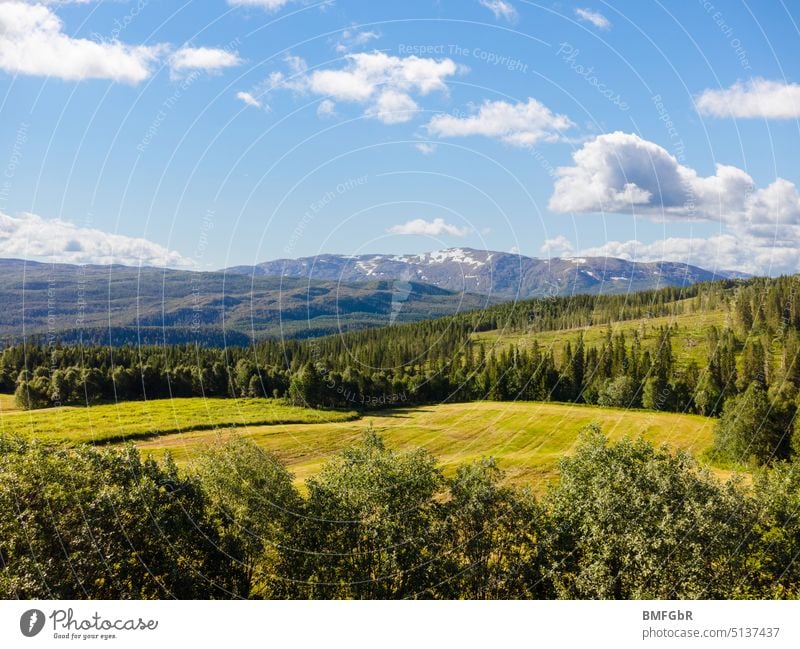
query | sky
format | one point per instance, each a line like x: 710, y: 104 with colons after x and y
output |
x: 210, y: 133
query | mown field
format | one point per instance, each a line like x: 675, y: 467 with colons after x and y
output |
x: 138, y: 419
x: 526, y: 438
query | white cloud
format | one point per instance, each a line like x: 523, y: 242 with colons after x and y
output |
x: 393, y: 107
x: 425, y: 148
x: 296, y: 64
x: 622, y: 173
x: 326, y: 108
x: 248, y: 99
x: 208, y: 59
x: 32, y: 42
x: 719, y: 252
x: 756, y: 98
x: 353, y: 38
x: 275, y: 5
x: 559, y: 246
x: 29, y: 236
x: 500, y: 9
x: 520, y: 124
x: 269, y: 5
x: 383, y: 83
x: 366, y: 74
x: 434, y: 228
x: 594, y: 17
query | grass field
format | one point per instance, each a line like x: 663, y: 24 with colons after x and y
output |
x: 526, y: 438
x: 688, y: 342
x: 7, y: 404
x: 137, y: 419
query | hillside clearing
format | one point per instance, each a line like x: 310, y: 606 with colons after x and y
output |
x: 689, y: 340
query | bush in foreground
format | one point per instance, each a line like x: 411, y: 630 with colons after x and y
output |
x: 625, y: 520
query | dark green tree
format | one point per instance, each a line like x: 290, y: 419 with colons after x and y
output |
x: 751, y: 429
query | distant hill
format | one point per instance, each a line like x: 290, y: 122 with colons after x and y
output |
x: 119, y: 304
x: 499, y: 274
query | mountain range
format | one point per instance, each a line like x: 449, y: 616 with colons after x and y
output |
x: 304, y: 297
x: 121, y: 304
x: 502, y: 275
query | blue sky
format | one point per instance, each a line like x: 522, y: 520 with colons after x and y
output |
x: 210, y: 134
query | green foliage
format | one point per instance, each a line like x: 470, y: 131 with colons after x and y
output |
x: 370, y: 515
x: 651, y: 363
x: 752, y: 429
x: 634, y: 522
x: 85, y: 523
x: 621, y: 392
x: 627, y: 520
x: 255, y: 507
x: 775, y: 571
x: 495, y: 537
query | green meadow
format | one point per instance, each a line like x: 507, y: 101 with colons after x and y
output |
x: 526, y: 438
x: 131, y: 420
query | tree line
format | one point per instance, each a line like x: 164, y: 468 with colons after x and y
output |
x: 625, y: 520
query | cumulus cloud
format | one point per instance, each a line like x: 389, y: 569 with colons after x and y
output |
x: 522, y: 124
x: 29, y: 236
x: 32, y: 42
x: 393, y: 107
x: 366, y: 73
x: 248, y: 99
x: 622, y: 173
x: 208, y: 59
x: 559, y: 246
x: 719, y: 252
x: 593, y: 17
x: 755, y: 98
x: 383, y: 83
x: 434, y: 228
x: 501, y: 9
